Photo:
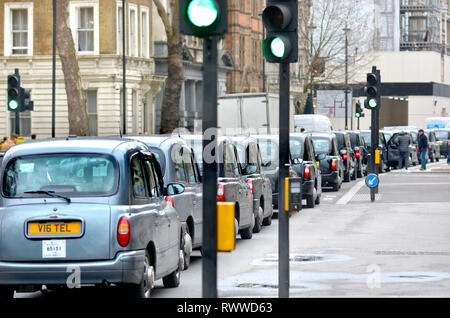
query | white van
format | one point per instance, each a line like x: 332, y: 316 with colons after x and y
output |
x: 437, y: 122
x: 312, y: 123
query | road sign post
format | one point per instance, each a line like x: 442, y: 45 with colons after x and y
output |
x: 373, y: 101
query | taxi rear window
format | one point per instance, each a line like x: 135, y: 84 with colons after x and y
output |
x: 70, y: 174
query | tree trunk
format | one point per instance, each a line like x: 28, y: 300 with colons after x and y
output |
x: 76, y: 100
x: 170, y: 109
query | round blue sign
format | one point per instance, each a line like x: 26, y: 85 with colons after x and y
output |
x: 372, y: 180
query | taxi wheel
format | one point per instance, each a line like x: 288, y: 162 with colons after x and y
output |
x: 144, y: 289
x: 173, y: 280
x: 258, y: 221
x: 6, y: 292
x: 310, y: 203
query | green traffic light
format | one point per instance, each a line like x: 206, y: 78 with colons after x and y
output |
x: 357, y: 115
x: 13, y: 105
x: 372, y: 103
x: 277, y: 47
x: 202, y: 13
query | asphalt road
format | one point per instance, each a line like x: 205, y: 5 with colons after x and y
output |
x: 346, y: 246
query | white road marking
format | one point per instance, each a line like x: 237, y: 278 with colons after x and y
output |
x: 351, y: 193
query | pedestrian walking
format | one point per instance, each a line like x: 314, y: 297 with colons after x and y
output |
x: 9, y: 143
x: 403, y: 146
x: 423, y: 148
x: 448, y: 152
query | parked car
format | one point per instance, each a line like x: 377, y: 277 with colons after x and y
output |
x: 97, y: 205
x: 268, y: 146
x: 382, y: 146
x: 232, y: 187
x: 394, y: 152
x: 347, y: 155
x: 179, y: 167
x: 434, y: 152
x: 443, y: 140
x: 360, y: 150
x: 195, y: 141
x: 305, y: 165
x: 330, y: 161
x: 251, y: 166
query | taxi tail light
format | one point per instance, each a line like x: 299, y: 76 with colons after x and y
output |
x: 169, y: 199
x: 358, y: 153
x: 220, y: 193
x: 429, y: 147
x: 307, y: 172
x: 333, y: 165
x: 250, y: 183
x: 345, y: 156
x: 123, y: 231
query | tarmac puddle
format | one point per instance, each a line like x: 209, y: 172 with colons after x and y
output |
x: 265, y: 282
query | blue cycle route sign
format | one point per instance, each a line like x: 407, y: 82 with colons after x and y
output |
x: 372, y: 180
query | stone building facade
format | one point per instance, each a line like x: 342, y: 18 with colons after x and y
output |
x: 26, y: 44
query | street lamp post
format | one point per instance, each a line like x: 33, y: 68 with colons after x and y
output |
x: 346, y: 30
x: 310, y: 94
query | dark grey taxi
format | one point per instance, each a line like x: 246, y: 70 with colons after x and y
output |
x: 330, y: 161
x: 182, y: 177
x: 251, y: 167
x: 90, y: 207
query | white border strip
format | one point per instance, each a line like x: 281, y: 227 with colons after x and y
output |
x: 351, y: 193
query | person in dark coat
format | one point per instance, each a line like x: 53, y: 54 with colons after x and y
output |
x: 423, y: 148
x: 403, y: 146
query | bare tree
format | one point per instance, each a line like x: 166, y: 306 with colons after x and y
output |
x: 170, y: 113
x: 76, y: 100
x: 322, y: 28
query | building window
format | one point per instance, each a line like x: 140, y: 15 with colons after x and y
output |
x: 132, y: 31
x: 25, y: 123
x: 91, y: 103
x: 144, y: 32
x: 18, y: 29
x: 86, y: 30
x: 84, y: 25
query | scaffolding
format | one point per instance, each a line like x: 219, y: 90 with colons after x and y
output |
x: 424, y: 25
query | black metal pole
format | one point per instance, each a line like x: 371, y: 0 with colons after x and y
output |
x: 346, y: 80
x: 54, y: 72
x: 209, y: 248
x: 124, y: 70
x: 283, y: 217
x: 17, y: 112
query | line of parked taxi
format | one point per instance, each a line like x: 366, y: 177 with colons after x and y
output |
x: 127, y: 211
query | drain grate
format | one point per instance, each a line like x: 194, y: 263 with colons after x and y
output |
x: 305, y: 258
x: 269, y: 286
x: 412, y: 253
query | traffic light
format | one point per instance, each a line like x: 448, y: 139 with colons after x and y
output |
x: 280, y: 18
x: 372, y: 91
x: 203, y: 18
x: 359, y: 111
x: 25, y: 102
x: 14, y: 92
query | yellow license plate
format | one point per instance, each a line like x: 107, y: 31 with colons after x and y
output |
x: 56, y: 228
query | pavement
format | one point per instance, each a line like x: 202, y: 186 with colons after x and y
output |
x: 397, y: 246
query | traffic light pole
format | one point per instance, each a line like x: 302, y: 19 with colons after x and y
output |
x: 209, y: 248
x: 17, y: 112
x: 283, y: 217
